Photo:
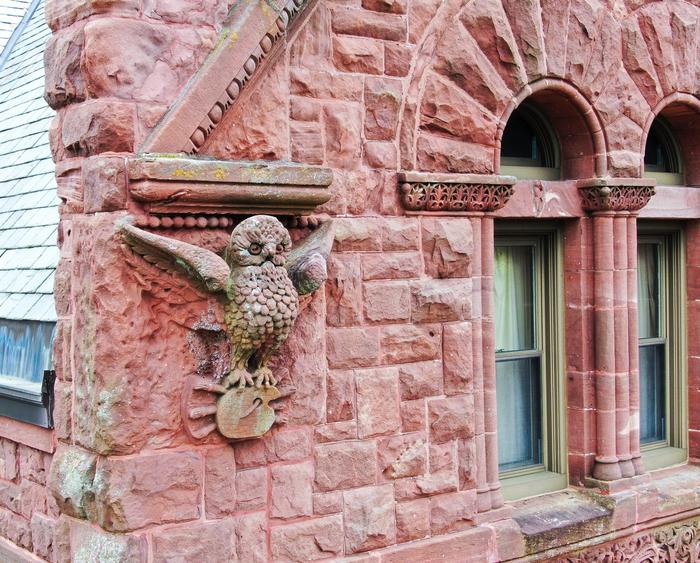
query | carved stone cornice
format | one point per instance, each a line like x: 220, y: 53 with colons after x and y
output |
x: 251, y: 32
x: 423, y: 192
x: 616, y: 194
x: 171, y: 185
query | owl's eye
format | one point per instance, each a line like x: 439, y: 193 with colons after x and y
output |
x: 280, y: 247
x: 254, y: 248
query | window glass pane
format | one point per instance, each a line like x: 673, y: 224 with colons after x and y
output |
x: 25, y: 351
x: 514, y: 288
x: 518, y: 403
x: 652, y: 400
x: 520, y: 141
x: 648, y: 290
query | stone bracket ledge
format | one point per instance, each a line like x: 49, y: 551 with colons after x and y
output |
x: 616, y: 194
x: 172, y: 185
x: 453, y: 194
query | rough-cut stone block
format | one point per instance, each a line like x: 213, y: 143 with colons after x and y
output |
x: 441, y: 300
x: 104, y: 184
x: 386, y: 6
x: 336, y: 431
x: 98, y: 126
x: 413, y: 416
x: 397, y: 59
x: 369, y: 518
x: 328, y: 503
x: 9, y: 461
x: 71, y: 480
x: 358, y: 234
x: 292, y: 444
x: 444, y: 154
x: 403, y: 456
x: 399, y: 234
x: 304, y: 109
x: 306, y: 142
x: 33, y: 464
x: 32, y: 498
x: 63, y: 78
x: 60, y: 15
x: 292, y: 490
x: 42, y: 535
x: 251, y: 534
x: 219, y: 489
x: 352, y: 347
x: 154, y: 489
x: 206, y: 543
x: 457, y: 358
x: 467, y: 463
x: 343, y: 290
x: 412, y: 520
x: 382, y: 105
x: 251, y: 489
x: 448, y: 247
x: 451, y: 512
x: 377, y: 402
x: 423, y: 379
x: 343, y: 135
x: 410, y: 343
x: 325, y: 85
x: 352, y: 21
x: 307, y: 541
x: 191, y: 12
x: 381, y: 154
x: 391, y: 265
x: 345, y: 465
x: 340, y: 396
x: 354, y: 54
x: 10, y: 496
x: 451, y: 418
x: 387, y: 302
x: 80, y: 541
x: 470, y: 546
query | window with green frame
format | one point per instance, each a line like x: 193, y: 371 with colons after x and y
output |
x: 529, y: 149
x: 662, y: 358
x: 662, y: 155
x: 529, y: 374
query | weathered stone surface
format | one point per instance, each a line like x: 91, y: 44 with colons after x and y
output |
x: 71, y: 480
x: 336, y: 431
x: 351, y: 21
x: 413, y: 415
x: 325, y: 85
x: 307, y: 541
x: 377, y: 402
x: 312, y: 46
x: 451, y: 418
x: 9, y: 461
x: 191, y: 12
x: 386, y: 6
x: 369, y: 518
x: 328, y: 503
x: 457, y: 358
x: 104, y: 184
x: 382, y: 104
x: 397, y: 59
x: 423, y: 379
x: 389, y: 265
x: 380, y: 154
x: 292, y: 490
x: 306, y: 142
x: 342, y: 133
x: 340, y: 396
x: 440, y: 154
x: 135, y: 492
x: 42, y: 535
x: 64, y: 80
x: 219, y: 482
x: 60, y: 15
x: 251, y: 532
x: 32, y: 498
x: 80, y: 542
x: 403, y: 456
x: 412, y: 520
x: 410, y: 343
x: 345, y: 465
x: 159, y: 63
x: 441, y: 300
x: 343, y: 290
x: 468, y: 546
x: 387, y: 301
x: 526, y: 22
x: 98, y: 126
x: 33, y: 464
x: 251, y: 489
x: 419, y: 17
x: 352, y: 347
x: 452, y: 512
x: 354, y: 54
x: 448, y: 246
x: 292, y: 444
x: 208, y: 542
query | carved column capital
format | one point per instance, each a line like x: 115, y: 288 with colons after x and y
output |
x: 454, y: 193
x: 616, y: 194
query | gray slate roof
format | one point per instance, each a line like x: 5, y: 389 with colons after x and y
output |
x: 11, y: 13
x: 28, y: 200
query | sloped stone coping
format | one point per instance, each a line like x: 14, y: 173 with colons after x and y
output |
x: 176, y: 185
x: 616, y: 194
x: 454, y: 194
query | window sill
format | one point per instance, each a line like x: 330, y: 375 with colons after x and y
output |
x: 533, y: 484
x: 661, y: 458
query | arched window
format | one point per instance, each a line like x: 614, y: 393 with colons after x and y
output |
x: 662, y: 156
x: 529, y: 147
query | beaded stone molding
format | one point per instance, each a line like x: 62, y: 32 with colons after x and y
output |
x: 199, y: 193
x: 251, y: 32
x: 616, y: 194
x: 453, y: 193
x: 678, y: 543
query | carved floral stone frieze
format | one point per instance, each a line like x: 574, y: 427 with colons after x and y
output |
x: 679, y: 543
x: 259, y: 282
x: 454, y: 193
x: 616, y: 194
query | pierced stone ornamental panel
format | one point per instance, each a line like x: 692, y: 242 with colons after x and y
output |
x: 175, y: 186
x: 454, y: 193
x: 616, y: 194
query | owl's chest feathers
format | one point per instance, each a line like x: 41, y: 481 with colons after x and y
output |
x: 261, y: 300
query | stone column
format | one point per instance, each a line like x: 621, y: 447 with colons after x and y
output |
x: 613, y: 204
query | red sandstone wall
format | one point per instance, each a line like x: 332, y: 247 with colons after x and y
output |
x: 376, y: 445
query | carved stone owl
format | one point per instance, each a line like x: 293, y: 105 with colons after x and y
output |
x: 260, y: 281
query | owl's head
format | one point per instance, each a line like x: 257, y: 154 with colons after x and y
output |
x: 256, y: 240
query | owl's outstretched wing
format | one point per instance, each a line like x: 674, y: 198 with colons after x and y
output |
x: 306, y: 264
x: 200, y: 264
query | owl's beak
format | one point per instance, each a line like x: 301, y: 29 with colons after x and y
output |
x: 268, y: 251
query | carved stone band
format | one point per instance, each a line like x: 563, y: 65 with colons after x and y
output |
x: 616, y: 194
x: 454, y: 193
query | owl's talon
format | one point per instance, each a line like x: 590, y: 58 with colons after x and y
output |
x: 264, y: 377
x: 239, y: 377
